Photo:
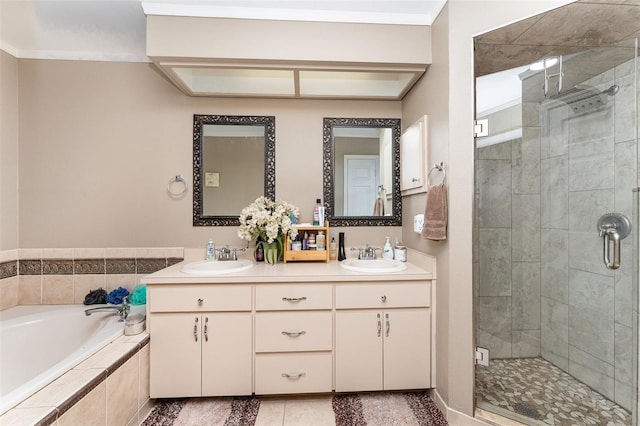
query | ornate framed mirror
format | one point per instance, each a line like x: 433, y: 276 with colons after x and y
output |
x: 234, y: 163
x: 361, y: 171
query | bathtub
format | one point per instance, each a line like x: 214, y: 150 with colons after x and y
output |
x: 40, y: 343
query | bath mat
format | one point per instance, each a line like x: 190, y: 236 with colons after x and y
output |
x: 378, y: 409
x: 240, y: 411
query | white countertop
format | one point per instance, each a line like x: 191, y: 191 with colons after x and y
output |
x: 297, y: 272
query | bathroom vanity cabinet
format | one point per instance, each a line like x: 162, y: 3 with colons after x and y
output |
x: 201, y: 341
x: 383, y: 337
x: 311, y: 329
x: 293, y: 338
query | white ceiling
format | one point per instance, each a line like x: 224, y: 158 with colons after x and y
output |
x: 115, y: 30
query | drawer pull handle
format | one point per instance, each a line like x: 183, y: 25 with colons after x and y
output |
x: 206, y: 329
x: 294, y: 376
x: 293, y: 333
x: 200, y: 301
x: 388, y: 324
x: 383, y: 298
x: 379, y: 325
x: 195, y: 330
x: 293, y: 299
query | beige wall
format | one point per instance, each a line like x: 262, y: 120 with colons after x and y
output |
x: 99, y: 141
x: 8, y: 152
x: 255, y: 39
x: 446, y: 94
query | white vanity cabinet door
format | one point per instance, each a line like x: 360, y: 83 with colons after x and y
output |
x: 226, y: 354
x: 358, y: 351
x: 175, y: 355
x: 407, y: 349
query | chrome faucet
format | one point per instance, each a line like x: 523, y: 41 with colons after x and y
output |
x: 122, y: 310
x: 225, y: 253
x: 366, y: 253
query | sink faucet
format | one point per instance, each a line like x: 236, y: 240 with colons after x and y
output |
x: 366, y: 253
x: 122, y: 310
x: 225, y: 253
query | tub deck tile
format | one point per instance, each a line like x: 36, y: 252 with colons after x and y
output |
x: 65, y: 388
x: 29, y: 416
x: 110, y: 357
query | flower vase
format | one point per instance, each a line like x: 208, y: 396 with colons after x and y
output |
x: 270, y: 252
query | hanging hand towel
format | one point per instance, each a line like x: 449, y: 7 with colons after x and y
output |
x: 435, y: 214
x: 378, y: 207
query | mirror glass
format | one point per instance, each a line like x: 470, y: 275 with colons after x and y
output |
x: 233, y: 164
x: 362, y: 171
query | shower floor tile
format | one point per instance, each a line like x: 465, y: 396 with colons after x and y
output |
x: 535, y: 392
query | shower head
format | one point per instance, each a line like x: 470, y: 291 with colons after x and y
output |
x: 584, y: 98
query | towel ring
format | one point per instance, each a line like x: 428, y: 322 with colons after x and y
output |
x: 177, y: 180
x: 439, y: 168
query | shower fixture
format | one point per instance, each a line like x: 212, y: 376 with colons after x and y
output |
x: 583, y: 98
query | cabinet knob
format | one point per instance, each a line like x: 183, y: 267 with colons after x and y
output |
x: 200, y: 301
x: 383, y: 298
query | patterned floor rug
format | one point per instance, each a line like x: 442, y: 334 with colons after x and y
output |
x: 204, y: 411
x: 387, y: 409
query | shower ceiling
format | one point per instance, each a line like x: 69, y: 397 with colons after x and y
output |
x: 572, y: 28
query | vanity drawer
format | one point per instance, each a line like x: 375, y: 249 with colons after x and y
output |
x: 297, y: 373
x: 395, y: 295
x: 195, y: 298
x: 290, y: 297
x: 293, y: 331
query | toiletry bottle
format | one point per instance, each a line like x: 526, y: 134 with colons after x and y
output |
x: 260, y: 253
x: 321, y: 214
x: 341, y: 251
x: 211, y: 250
x: 387, y: 250
x: 333, y: 249
x: 400, y: 252
x: 320, y: 241
x: 305, y: 242
x: 316, y: 213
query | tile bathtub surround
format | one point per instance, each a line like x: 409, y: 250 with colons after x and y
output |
x: 65, y: 276
x: 111, y: 387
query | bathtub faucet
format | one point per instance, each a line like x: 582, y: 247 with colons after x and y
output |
x: 122, y: 310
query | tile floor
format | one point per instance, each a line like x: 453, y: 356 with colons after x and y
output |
x: 309, y: 411
x: 535, y: 392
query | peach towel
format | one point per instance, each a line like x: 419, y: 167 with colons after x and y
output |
x: 378, y: 207
x: 435, y: 214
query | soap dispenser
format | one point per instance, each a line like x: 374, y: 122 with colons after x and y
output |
x: 211, y: 250
x: 387, y: 250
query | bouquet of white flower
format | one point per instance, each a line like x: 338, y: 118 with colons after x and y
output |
x: 267, y: 222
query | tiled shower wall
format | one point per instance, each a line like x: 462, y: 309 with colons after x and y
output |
x: 589, y: 166
x: 542, y: 287
x: 65, y: 276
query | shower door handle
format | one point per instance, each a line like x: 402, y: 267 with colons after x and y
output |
x: 613, y: 227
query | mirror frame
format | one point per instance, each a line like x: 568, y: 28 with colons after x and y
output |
x: 328, y: 170
x: 199, y: 120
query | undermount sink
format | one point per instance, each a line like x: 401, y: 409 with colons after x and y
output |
x: 215, y: 267
x: 376, y: 266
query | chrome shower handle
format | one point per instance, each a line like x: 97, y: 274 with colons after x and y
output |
x: 613, y: 227
x: 609, y: 235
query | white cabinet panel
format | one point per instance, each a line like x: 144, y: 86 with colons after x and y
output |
x: 414, y: 158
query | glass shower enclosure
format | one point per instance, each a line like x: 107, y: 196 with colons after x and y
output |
x: 556, y: 239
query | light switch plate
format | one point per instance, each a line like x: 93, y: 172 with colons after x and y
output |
x: 418, y: 223
x: 212, y: 179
